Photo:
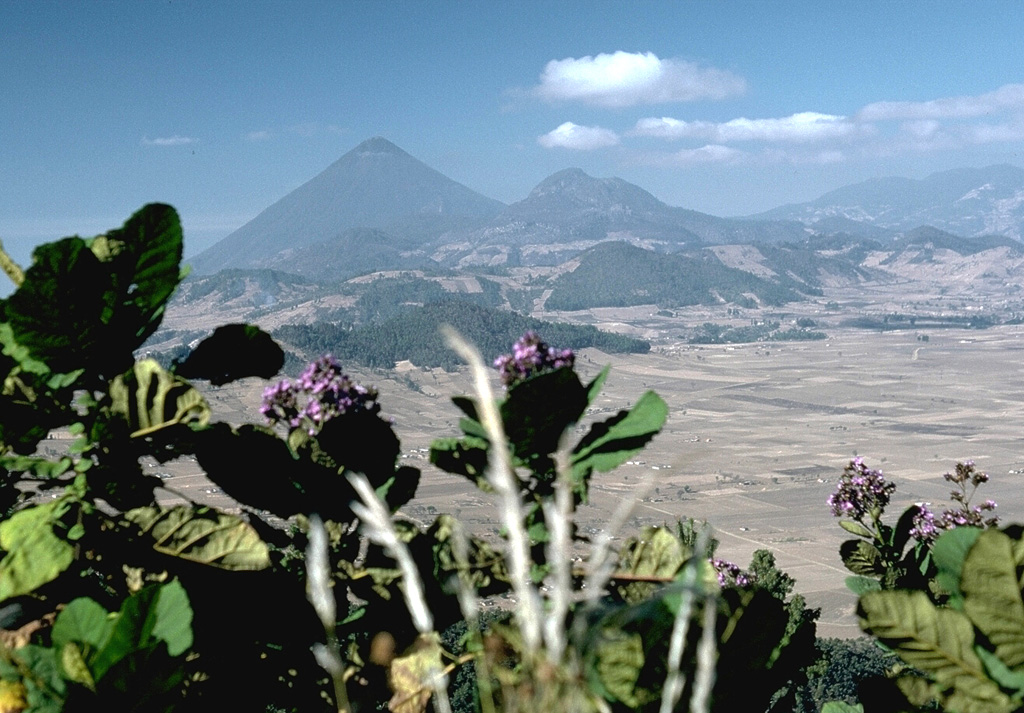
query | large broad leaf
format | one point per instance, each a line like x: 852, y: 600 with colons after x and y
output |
x: 154, y: 615
x: 619, y: 662
x: 83, y: 620
x: 35, y: 553
x: 57, y: 314
x: 90, y: 304
x: 150, y: 398
x: 203, y: 535
x: 862, y: 557
x: 949, y: 553
x: 656, y: 556
x: 466, y: 457
x: 992, y: 598
x: 233, y: 351
x: 145, y: 258
x: 257, y: 468
x: 611, y: 443
x: 938, y: 642
x: 539, y: 410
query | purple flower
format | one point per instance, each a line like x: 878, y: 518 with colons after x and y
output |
x: 328, y: 392
x: 861, y: 491
x: 531, y: 356
x: 925, y: 528
x: 730, y: 575
x: 928, y: 525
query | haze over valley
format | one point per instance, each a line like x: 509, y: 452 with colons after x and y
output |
x: 784, y: 348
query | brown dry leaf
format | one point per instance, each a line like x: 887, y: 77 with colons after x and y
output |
x: 409, y: 676
x: 16, y: 638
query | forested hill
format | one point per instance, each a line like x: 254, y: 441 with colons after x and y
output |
x: 415, y: 335
x: 616, y: 274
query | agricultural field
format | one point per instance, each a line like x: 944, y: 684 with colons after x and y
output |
x: 757, y: 433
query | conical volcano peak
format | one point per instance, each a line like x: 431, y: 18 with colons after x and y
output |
x: 375, y: 185
x: 378, y: 145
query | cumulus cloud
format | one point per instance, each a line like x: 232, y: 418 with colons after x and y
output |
x: 579, y: 138
x: 1007, y: 97
x: 626, y: 79
x: 802, y: 127
x: 169, y: 141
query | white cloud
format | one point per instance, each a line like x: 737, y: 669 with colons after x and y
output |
x: 711, y: 153
x: 802, y: 127
x: 169, y: 141
x: 258, y: 136
x: 579, y: 138
x: 1007, y: 97
x: 625, y: 79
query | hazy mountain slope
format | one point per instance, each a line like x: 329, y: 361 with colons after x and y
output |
x: 375, y: 185
x: 966, y: 201
x: 356, y: 251
x: 570, y: 211
x: 617, y: 275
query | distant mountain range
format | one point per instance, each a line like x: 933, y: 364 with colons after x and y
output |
x: 378, y: 208
x: 965, y: 201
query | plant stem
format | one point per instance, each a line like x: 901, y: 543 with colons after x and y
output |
x: 10, y: 267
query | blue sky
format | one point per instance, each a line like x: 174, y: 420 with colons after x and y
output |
x: 222, y: 108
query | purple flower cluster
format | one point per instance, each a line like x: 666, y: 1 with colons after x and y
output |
x: 327, y: 392
x: 861, y: 491
x: 531, y: 356
x: 730, y: 575
x: 928, y: 525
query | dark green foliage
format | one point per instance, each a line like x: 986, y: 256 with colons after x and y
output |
x: 618, y: 275
x: 232, y: 352
x: 414, y: 335
x: 848, y: 670
x: 711, y: 333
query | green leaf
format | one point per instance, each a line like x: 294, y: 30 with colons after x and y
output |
x: 150, y: 398
x: 146, y: 269
x: 992, y: 598
x: 656, y: 555
x: 539, y: 410
x: 949, y: 553
x: 861, y: 557
x: 173, y: 623
x: 595, y: 386
x: 842, y: 707
x: 611, y: 443
x: 998, y: 672
x: 83, y: 620
x: 72, y: 662
x: 861, y: 585
x: 233, y: 351
x: 46, y: 688
x: 400, y: 488
x: 42, y: 467
x: 619, y: 663
x: 88, y: 305
x: 938, y: 642
x: 466, y: 457
x: 35, y: 553
x: 57, y: 314
x: 855, y: 528
x: 202, y: 535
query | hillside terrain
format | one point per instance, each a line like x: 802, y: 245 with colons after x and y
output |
x: 785, y: 344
